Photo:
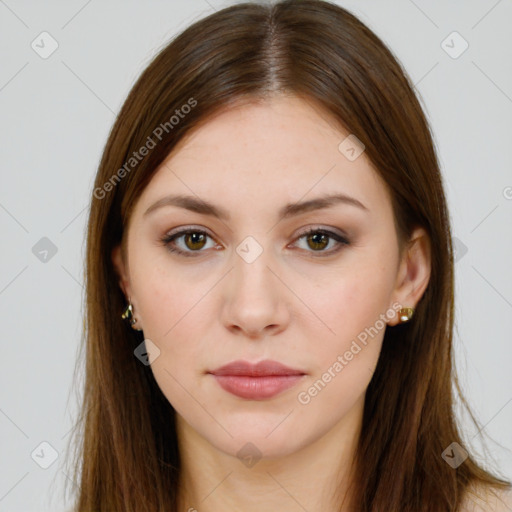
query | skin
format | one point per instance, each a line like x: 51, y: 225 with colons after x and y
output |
x: 480, y: 499
x: 291, y: 304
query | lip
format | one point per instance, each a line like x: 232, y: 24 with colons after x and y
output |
x: 262, y: 369
x: 258, y: 381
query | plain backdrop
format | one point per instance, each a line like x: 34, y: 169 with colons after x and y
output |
x: 56, y: 112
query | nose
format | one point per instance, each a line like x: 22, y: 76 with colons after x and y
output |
x: 256, y: 301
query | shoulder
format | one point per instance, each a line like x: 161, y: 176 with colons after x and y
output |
x: 487, y: 500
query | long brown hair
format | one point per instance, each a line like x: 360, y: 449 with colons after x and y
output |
x: 126, y: 456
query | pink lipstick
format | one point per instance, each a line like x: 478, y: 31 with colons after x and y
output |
x: 256, y: 381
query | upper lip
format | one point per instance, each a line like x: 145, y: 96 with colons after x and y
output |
x: 263, y: 368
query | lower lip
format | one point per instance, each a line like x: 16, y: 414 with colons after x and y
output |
x: 257, y: 388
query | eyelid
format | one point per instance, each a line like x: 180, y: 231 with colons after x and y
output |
x: 316, y: 227
x: 182, y: 229
x: 305, y: 231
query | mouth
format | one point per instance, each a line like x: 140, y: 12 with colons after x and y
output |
x: 260, y: 381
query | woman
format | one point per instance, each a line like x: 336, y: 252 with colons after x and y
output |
x: 269, y: 221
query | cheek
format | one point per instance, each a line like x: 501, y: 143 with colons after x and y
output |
x: 163, y: 298
x: 169, y: 305
x: 350, y: 303
x: 356, y: 307
x: 343, y: 362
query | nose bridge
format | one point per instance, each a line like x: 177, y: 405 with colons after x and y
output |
x: 253, y: 298
x: 252, y: 262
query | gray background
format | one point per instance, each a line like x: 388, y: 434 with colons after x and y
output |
x: 56, y: 115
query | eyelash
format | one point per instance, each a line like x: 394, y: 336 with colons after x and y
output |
x: 169, y: 238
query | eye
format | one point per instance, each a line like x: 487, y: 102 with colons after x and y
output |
x: 194, y: 240
x: 318, y: 239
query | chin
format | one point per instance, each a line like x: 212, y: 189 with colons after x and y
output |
x: 252, y: 447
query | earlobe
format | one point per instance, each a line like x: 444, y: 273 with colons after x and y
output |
x: 124, y: 283
x: 414, y: 272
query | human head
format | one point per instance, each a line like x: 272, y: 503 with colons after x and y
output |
x: 307, y: 310
x: 319, y: 53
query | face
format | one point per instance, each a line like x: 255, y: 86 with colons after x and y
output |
x: 253, y: 285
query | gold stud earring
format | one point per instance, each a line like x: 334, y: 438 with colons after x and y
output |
x: 128, y: 315
x: 405, y: 314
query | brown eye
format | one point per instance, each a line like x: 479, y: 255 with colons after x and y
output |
x: 318, y: 241
x: 197, y: 240
x: 194, y: 240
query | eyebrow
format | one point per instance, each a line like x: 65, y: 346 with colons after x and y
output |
x: 203, y: 207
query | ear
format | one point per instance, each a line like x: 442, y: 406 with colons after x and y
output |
x: 121, y: 270
x: 414, y: 272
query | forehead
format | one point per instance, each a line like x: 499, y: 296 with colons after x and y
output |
x: 264, y: 154
x: 284, y: 126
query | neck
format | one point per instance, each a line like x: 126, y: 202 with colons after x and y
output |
x: 314, y: 478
